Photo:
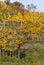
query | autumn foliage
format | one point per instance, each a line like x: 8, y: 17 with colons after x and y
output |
x: 19, y: 26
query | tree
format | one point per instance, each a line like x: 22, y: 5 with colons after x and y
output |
x: 31, y: 7
x: 17, y: 29
x: 7, y: 2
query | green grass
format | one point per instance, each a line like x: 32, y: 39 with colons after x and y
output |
x: 34, y: 56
